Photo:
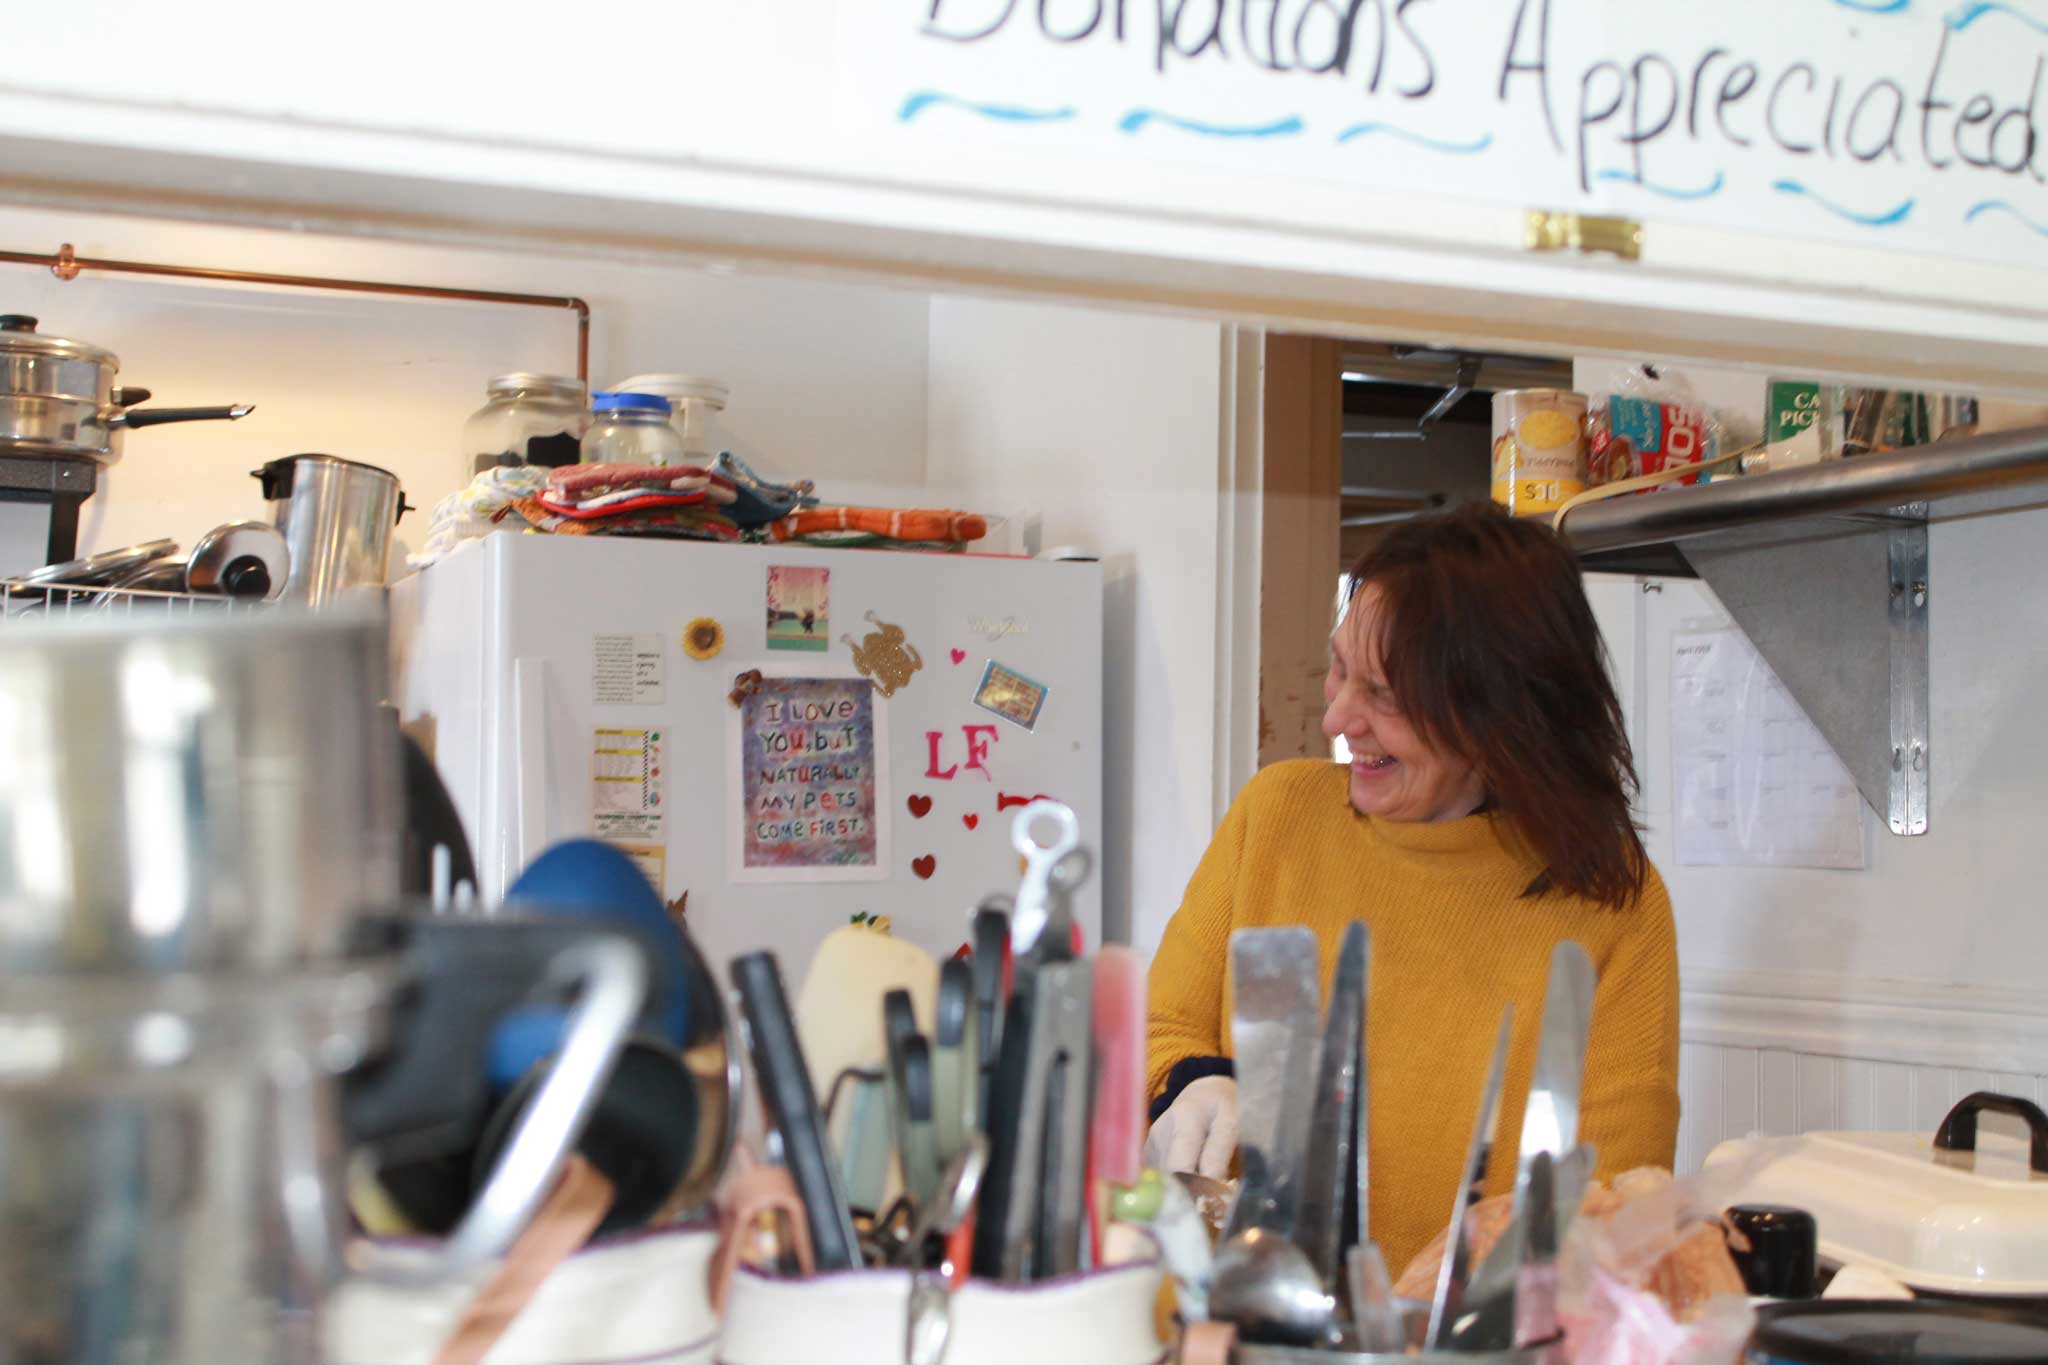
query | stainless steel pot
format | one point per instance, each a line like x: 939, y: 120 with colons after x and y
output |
x: 184, y: 795
x: 58, y: 399
x: 172, y: 1173
x: 337, y: 517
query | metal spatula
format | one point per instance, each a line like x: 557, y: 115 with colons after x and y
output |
x: 1273, y: 1031
x: 1331, y: 1143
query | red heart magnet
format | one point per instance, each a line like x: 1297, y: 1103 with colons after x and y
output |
x: 920, y: 806
x: 924, y: 867
x: 959, y: 655
x: 970, y: 820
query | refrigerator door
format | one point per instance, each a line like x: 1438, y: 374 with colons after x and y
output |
x: 549, y: 677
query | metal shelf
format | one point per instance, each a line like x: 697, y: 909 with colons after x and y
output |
x: 1998, y: 473
x: 1825, y: 569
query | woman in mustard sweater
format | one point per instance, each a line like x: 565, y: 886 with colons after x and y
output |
x: 1483, y: 819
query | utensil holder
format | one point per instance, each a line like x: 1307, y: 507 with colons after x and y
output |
x: 1215, y: 1343
x: 861, y: 1317
x: 636, y: 1297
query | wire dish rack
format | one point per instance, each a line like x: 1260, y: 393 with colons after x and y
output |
x: 24, y: 604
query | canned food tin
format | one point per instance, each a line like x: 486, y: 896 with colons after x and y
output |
x: 1539, y: 449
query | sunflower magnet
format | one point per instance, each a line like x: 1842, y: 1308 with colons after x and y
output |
x: 703, y: 638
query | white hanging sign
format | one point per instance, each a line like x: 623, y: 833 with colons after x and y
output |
x: 1916, y: 124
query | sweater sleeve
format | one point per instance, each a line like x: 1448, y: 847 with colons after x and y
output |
x: 1185, y: 985
x: 1629, y: 1106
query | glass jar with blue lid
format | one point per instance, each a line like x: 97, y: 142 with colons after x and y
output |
x: 631, y: 428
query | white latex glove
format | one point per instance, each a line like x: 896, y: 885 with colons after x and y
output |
x: 1198, y: 1131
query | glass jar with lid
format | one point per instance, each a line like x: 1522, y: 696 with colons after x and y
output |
x: 695, y: 403
x: 631, y: 428
x: 536, y: 419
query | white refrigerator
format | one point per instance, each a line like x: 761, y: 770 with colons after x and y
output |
x: 785, y: 737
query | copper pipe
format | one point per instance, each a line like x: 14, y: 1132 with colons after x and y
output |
x: 66, y: 265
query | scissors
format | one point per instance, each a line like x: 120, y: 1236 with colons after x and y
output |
x: 1041, y: 928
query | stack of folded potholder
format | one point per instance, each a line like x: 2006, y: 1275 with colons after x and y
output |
x: 679, y: 501
x: 893, y: 528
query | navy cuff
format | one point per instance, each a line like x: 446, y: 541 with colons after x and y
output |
x: 1185, y: 1072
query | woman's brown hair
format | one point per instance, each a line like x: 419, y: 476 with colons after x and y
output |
x: 1489, y: 646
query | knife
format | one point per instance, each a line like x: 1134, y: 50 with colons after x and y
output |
x: 1447, y: 1306
x: 793, y: 1108
x: 1332, y: 1135
x: 1535, y: 1301
x: 1065, y: 1023
x: 1014, y: 1205
x: 1550, y: 1128
x: 1274, y: 1012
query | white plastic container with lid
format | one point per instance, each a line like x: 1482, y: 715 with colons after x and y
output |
x: 696, y: 402
x: 1958, y: 1213
x: 536, y: 419
x: 631, y: 428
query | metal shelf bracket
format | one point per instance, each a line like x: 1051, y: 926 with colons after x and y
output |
x: 1841, y: 618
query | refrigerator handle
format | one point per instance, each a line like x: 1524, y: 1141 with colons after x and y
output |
x: 529, y: 767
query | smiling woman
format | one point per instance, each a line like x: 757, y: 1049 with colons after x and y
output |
x: 1482, y: 820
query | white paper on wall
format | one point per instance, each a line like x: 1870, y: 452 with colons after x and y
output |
x: 1753, y: 782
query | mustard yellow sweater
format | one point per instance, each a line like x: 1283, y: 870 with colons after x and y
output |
x: 1452, y: 942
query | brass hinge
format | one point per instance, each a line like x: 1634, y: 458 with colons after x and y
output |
x: 1545, y: 231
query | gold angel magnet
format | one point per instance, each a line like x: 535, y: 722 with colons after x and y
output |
x: 884, y: 656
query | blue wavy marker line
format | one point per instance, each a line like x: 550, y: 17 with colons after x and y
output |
x: 1896, y: 216
x: 1138, y: 118
x: 1875, y: 6
x: 1962, y: 16
x: 1358, y: 130
x: 1008, y: 113
x: 1706, y: 191
x: 1978, y: 210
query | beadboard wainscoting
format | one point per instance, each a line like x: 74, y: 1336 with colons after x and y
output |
x: 1776, y: 1053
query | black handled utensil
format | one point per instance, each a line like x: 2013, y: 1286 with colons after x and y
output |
x: 793, y: 1108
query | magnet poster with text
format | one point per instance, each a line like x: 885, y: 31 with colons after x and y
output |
x: 810, y: 790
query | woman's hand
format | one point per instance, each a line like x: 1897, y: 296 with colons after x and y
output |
x: 1198, y: 1131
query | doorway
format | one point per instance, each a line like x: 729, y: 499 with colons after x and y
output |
x: 1359, y: 437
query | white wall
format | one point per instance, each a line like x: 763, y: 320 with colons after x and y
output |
x: 828, y: 379
x: 1104, y: 429
x: 1959, y: 906
x: 1874, y: 998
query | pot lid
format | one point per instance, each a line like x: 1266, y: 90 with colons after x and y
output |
x: 525, y: 381
x: 1851, y: 1332
x: 1971, y: 1217
x: 240, y: 559
x: 676, y: 387
x: 98, y: 568
x: 18, y: 336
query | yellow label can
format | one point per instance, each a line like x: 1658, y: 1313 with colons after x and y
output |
x: 1539, y: 449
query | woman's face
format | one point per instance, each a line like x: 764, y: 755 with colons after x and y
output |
x: 1395, y: 774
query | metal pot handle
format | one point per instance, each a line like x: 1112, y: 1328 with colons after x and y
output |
x: 613, y: 975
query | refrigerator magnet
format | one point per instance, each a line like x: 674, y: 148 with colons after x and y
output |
x: 628, y: 786
x: 809, y: 774
x: 885, y: 656
x: 703, y: 638
x: 1011, y: 695
x: 799, y: 608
